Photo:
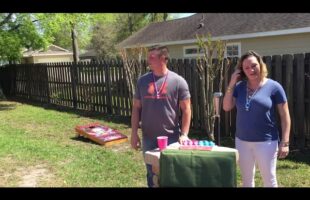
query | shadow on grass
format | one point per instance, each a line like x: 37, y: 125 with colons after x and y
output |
x: 82, y: 113
x: 6, y: 106
x: 301, y: 156
x: 84, y: 139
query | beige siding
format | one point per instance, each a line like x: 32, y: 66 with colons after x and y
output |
x: 176, y: 51
x: 277, y: 45
x: 271, y: 45
x: 58, y: 58
x: 27, y: 60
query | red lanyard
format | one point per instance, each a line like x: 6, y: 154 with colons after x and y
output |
x: 162, y: 86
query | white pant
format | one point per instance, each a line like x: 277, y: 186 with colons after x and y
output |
x: 264, y: 154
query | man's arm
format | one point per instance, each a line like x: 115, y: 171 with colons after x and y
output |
x: 135, y: 118
x: 185, y: 106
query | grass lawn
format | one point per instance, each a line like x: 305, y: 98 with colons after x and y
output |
x: 38, y: 147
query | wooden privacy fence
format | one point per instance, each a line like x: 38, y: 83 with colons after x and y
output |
x: 101, y: 87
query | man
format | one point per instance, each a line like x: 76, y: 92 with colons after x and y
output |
x: 159, y: 96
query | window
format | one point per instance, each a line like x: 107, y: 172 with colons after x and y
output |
x: 192, y: 51
x: 233, y: 50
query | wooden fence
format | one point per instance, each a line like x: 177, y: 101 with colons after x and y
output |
x: 101, y: 87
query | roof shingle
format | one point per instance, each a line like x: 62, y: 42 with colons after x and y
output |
x: 217, y: 24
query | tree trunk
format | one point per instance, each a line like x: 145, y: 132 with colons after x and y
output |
x: 204, y: 103
x: 165, y: 16
x: 211, y: 118
x: 74, y: 45
x: 129, y: 78
x: 130, y: 24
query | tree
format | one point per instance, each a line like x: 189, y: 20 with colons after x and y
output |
x: 213, y: 62
x: 157, y: 17
x: 18, y: 31
x: 103, y: 35
x: 128, y: 23
x: 76, y: 26
x: 103, y: 41
x: 110, y: 29
x: 133, y: 60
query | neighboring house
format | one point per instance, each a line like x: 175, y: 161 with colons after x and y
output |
x: 89, y: 55
x: 266, y: 33
x: 52, y: 54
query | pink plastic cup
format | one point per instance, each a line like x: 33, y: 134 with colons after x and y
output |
x: 162, y: 142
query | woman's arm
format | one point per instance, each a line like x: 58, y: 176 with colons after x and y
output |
x: 286, y: 127
x: 285, y: 121
x: 229, y: 101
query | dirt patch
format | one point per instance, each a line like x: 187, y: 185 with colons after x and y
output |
x: 122, y: 147
x: 33, y: 176
x: 7, y: 172
x: 16, y: 174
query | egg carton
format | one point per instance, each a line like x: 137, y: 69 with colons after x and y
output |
x: 197, y: 145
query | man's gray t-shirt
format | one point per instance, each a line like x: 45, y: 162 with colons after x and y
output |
x: 160, y: 115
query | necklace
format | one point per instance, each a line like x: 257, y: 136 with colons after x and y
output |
x: 249, y: 97
x: 162, y: 86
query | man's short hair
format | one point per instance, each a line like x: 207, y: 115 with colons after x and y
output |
x: 162, y: 49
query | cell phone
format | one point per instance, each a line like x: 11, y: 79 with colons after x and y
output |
x: 242, y: 74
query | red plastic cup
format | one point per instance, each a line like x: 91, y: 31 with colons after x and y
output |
x: 162, y: 142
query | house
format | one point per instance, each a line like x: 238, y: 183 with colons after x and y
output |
x: 52, y: 54
x: 266, y: 33
x: 89, y: 55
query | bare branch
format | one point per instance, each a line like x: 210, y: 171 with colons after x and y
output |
x: 7, y: 19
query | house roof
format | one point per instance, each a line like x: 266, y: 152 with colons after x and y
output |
x: 51, y: 50
x: 220, y: 26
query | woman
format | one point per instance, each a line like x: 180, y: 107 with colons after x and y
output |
x: 256, y: 98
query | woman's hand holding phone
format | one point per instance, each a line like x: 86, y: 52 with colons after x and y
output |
x: 235, y: 77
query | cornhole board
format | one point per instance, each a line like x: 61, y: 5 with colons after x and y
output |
x: 101, y: 134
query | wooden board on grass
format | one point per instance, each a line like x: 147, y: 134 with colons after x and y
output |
x: 101, y: 134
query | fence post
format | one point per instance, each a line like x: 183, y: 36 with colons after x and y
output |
x: 12, y: 71
x: 299, y: 88
x: 287, y: 74
x: 307, y: 94
x: 73, y: 83
x: 28, y: 79
x: 46, y: 83
x: 109, y: 97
